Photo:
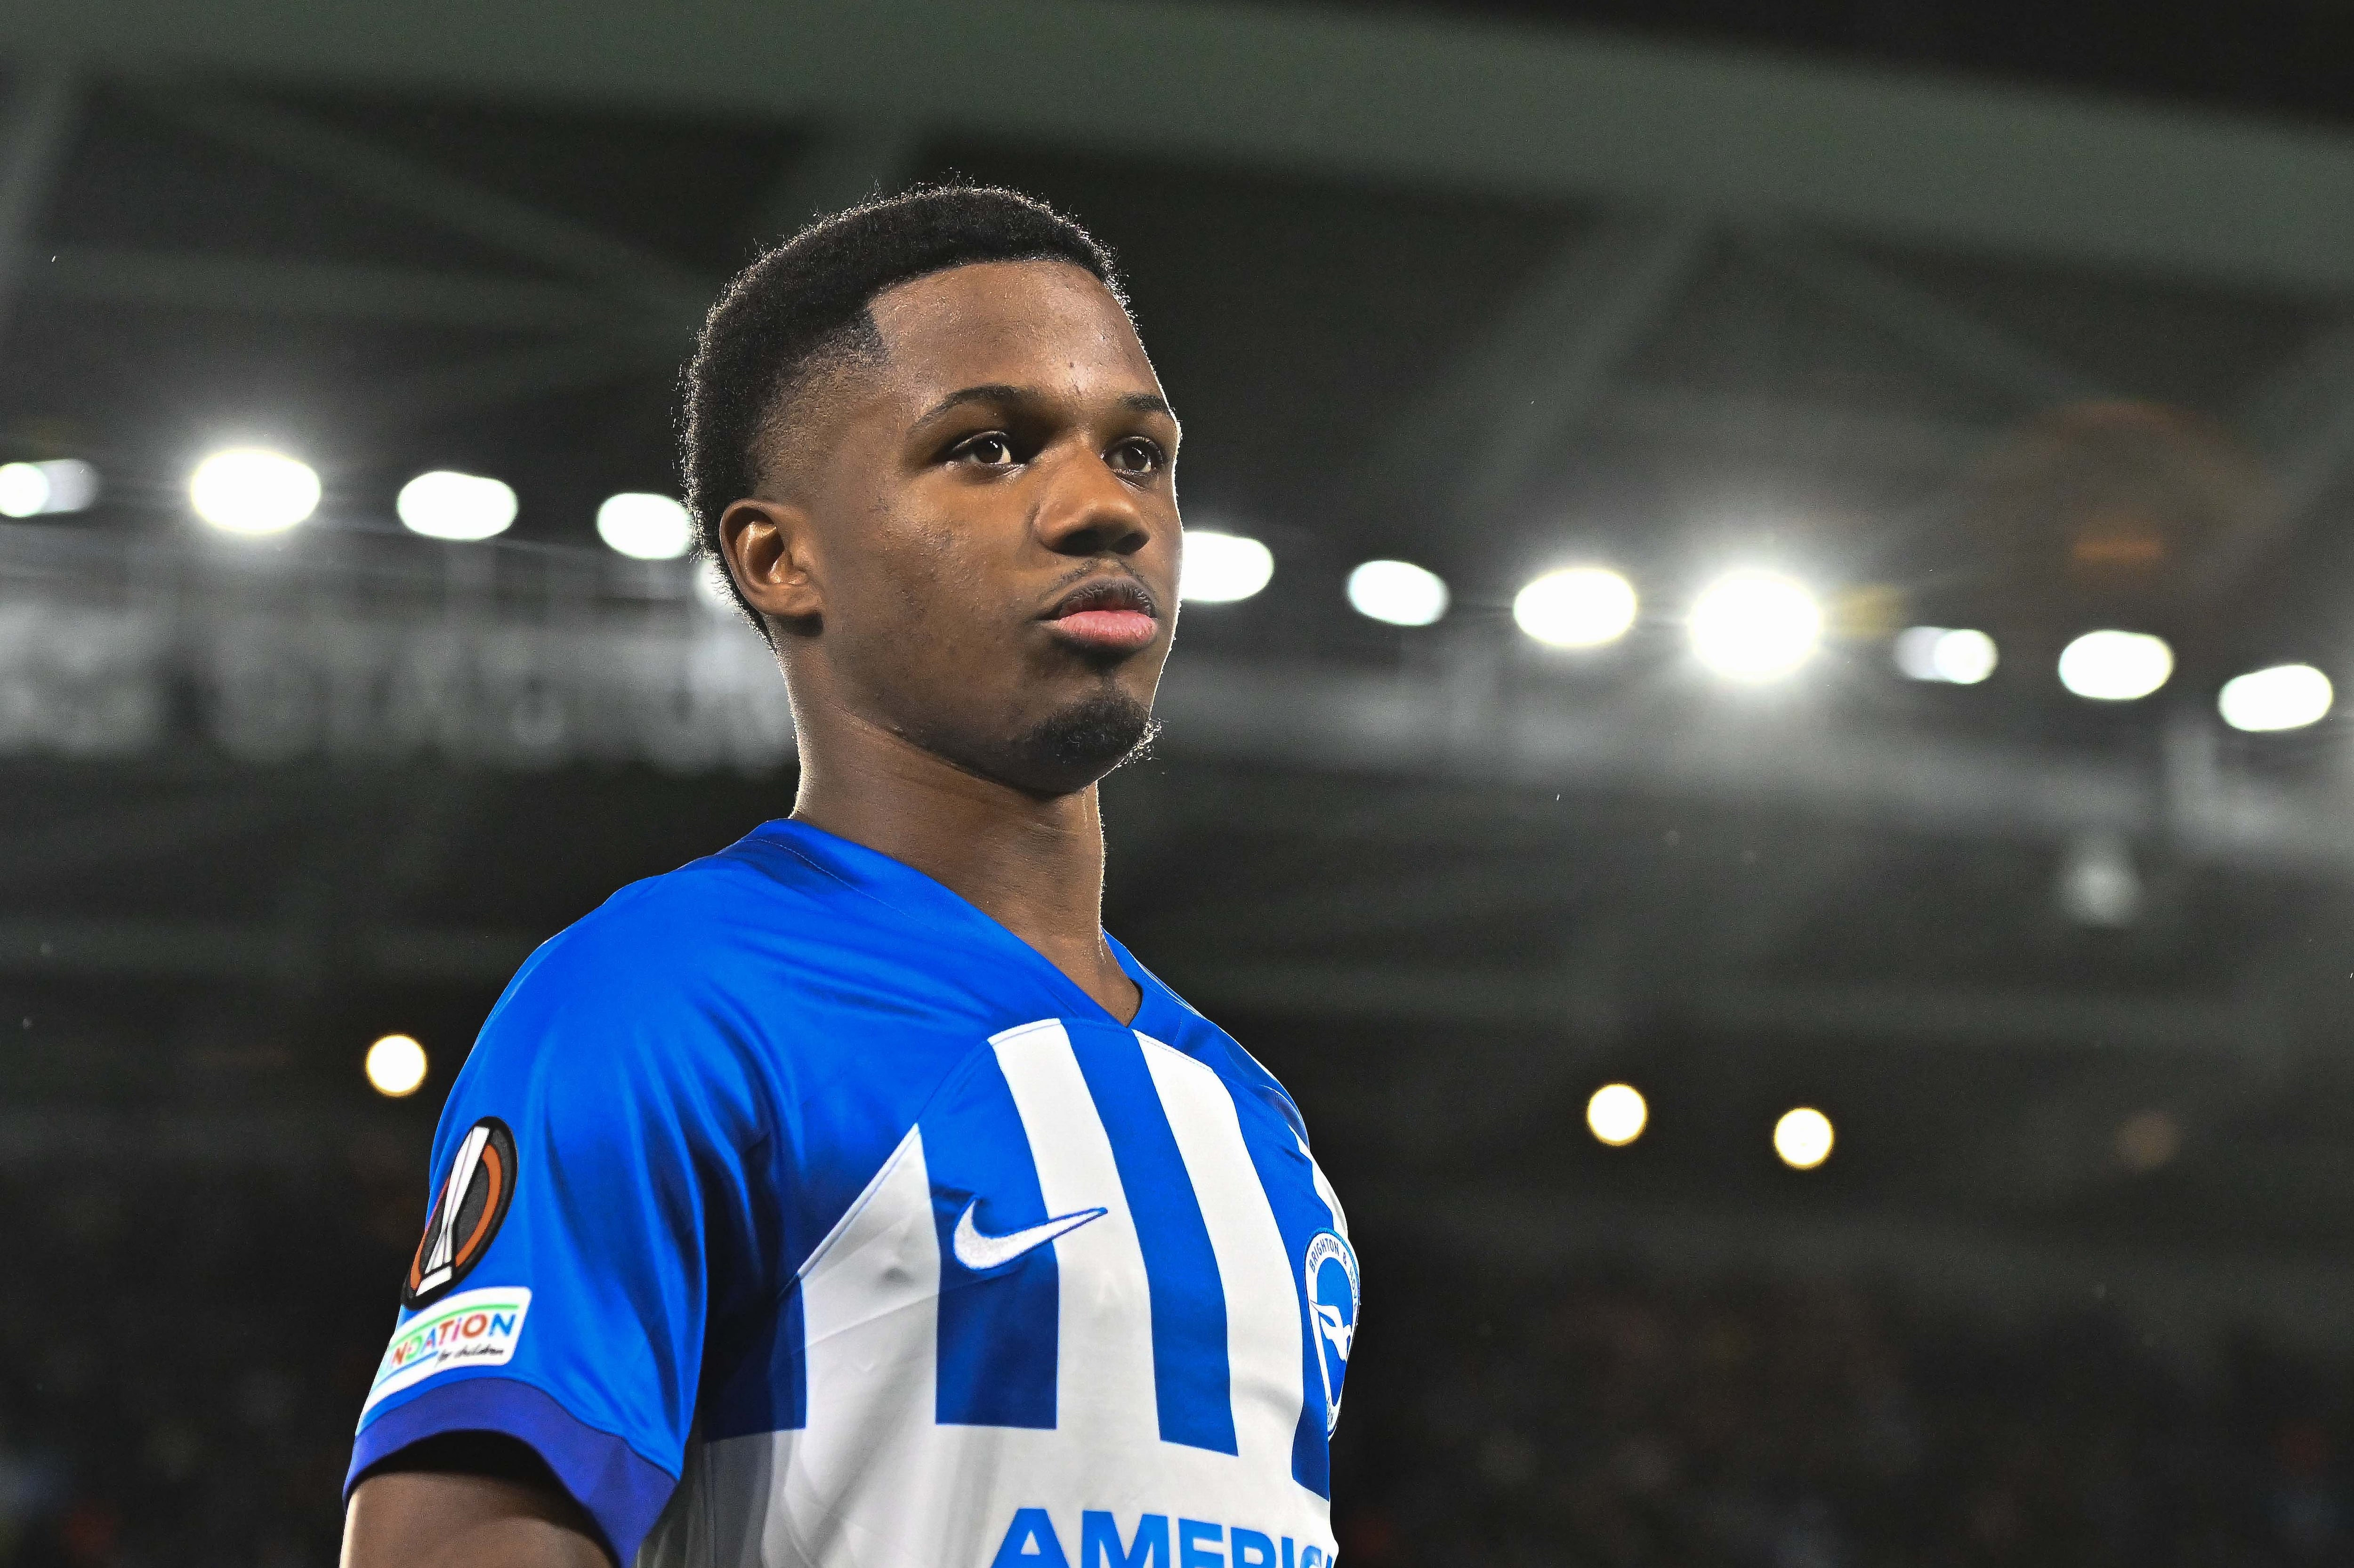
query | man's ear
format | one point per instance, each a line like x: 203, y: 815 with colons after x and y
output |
x: 771, y: 550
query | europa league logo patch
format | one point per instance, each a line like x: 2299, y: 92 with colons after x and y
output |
x: 466, y: 1215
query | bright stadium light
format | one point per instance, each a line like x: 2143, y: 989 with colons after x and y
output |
x: 1576, y: 607
x: 1803, y: 1137
x: 2115, y: 666
x: 460, y: 506
x: 396, y: 1067
x: 1398, y: 592
x: 1223, y: 567
x: 1754, y: 626
x: 645, y: 527
x: 1956, y: 656
x: 250, y: 491
x: 2285, y: 697
x: 24, y: 489
x: 1616, y: 1114
x: 38, y: 489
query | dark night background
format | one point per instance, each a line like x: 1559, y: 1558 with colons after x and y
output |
x: 2029, y: 319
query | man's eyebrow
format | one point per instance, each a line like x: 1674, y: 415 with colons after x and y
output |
x: 999, y: 392
x: 993, y: 392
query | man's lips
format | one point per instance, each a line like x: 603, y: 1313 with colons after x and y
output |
x: 1107, y: 627
x: 1111, y: 614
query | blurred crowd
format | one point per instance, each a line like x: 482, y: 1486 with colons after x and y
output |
x: 182, y: 1358
x: 1605, y: 1416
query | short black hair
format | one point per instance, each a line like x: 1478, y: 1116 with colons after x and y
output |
x: 804, y: 304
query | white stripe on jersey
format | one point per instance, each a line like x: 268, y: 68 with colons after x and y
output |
x: 1263, y: 1352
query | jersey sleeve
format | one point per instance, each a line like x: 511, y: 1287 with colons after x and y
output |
x: 593, y: 1214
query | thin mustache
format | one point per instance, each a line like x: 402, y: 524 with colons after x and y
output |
x: 1088, y: 575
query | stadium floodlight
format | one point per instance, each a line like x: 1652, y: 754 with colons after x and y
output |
x: 1956, y: 656
x: 24, y: 489
x: 1803, y: 1137
x: 41, y: 489
x: 645, y: 527
x: 1754, y: 626
x: 2285, y: 697
x: 1616, y: 1114
x: 1220, y: 568
x: 2115, y: 666
x: 457, y: 506
x: 1398, y: 592
x: 396, y: 1067
x: 248, y: 490
x: 1576, y: 607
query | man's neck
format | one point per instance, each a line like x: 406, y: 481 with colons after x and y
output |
x: 1035, y: 866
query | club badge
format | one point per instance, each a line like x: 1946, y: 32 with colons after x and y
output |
x: 1331, y: 1278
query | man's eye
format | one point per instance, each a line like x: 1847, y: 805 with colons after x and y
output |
x: 1136, y: 457
x: 992, y: 449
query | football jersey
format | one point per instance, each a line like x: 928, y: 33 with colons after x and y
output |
x: 796, y: 1212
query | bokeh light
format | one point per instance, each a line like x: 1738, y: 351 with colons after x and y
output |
x: 41, y: 489
x: 24, y: 489
x: 1954, y: 656
x: 396, y: 1067
x: 1803, y: 1137
x: 1754, y: 626
x: 2285, y: 697
x: 1220, y: 568
x: 1616, y: 1114
x: 1397, y: 592
x: 2115, y: 666
x: 248, y: 490
x: 460, y: 506
x: 1577, y: 607
x: 645, y: 527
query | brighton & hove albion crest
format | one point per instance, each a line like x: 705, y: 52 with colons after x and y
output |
x: 1332, y: 1278
x: 467, y: 1212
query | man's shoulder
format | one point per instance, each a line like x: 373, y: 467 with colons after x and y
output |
x: 727, y: 917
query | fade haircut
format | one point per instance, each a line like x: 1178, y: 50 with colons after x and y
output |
x: 801, y: 310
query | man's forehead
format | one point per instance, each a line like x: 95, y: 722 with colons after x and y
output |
x: 984, y: 321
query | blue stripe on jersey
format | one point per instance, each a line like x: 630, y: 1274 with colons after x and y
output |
x: 1192, y: 1382
x: 1286, y: 1174
x: 999, y: 1331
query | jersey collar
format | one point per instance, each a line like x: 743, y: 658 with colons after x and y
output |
x: 1163, y: 1014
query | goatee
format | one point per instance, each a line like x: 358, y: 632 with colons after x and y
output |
x: 1108, y: 731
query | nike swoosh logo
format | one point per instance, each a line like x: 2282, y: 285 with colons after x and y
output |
x: 978, y: 1252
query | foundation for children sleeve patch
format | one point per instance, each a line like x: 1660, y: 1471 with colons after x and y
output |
x: 467, y: 1212
x: 475, y: 1329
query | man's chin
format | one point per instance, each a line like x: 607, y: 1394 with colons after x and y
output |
x: 1079, y: 745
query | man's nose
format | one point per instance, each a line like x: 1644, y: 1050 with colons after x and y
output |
x: 1088, y: 510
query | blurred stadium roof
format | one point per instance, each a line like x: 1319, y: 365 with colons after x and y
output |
x: 1439, y: 284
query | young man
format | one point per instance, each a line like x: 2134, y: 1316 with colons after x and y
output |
x: 849, y: 1197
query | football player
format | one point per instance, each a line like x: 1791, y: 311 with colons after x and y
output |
x: 850, y: 1197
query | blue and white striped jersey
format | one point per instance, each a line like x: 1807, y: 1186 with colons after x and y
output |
x: 799, y: 1213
